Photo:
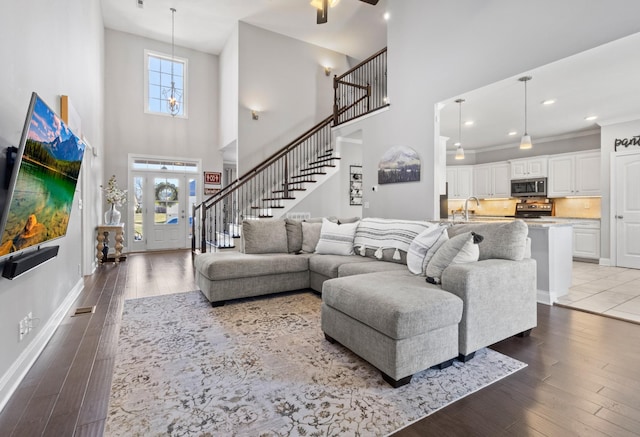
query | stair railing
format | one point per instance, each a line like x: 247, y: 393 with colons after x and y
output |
x: 361, y: 90
x: 263, y: 189
x: 267, y: 186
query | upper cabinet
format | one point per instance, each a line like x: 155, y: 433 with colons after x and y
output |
x: 491, y: 180
x: 574, y: 174
x: 460, y: 180
x: 526, y: 168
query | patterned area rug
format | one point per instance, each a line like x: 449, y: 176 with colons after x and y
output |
x: 262, y: 367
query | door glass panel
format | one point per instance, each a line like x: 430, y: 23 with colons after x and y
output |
x: 167, y: 207
x: 138, y: 217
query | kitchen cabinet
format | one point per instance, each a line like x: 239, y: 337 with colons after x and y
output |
x: 529, y: 168
x: 460, y: 180
x: 491, y: 180
x: 574, y: 174
x: 586, y: 239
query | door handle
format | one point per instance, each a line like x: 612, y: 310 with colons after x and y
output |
x: 619, y: 217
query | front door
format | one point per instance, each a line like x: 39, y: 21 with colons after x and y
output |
x: 162, y: 210
x: 627, y: 214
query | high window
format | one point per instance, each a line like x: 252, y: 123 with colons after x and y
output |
x: 158, y: 75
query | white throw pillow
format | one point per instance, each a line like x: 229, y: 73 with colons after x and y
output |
x: 424, y: 246
x: 336, y: 239
x: 460, y: 249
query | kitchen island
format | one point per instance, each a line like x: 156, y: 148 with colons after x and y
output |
x: 552, y: 248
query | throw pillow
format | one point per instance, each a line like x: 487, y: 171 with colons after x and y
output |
x: 310, y: 236
x: 294, y: 235
x: 264, y: 236
x: 460, y: 249
x: 501, y: 240
x: 424, y: 246
x: 336, y: 239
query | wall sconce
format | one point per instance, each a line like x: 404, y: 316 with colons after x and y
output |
x: 255, y: 115
x: 327, y: 71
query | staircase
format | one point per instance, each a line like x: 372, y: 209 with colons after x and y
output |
x: 276, y: 185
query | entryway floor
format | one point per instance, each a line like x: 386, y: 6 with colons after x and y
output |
x: 611, y: 291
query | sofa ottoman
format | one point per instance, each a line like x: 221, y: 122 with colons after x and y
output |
x: 393, y: 320
x: 232, y: 275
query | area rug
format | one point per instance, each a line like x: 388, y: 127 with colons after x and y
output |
x: 262, y: 367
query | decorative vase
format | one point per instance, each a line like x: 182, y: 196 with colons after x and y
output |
x: 112, y: 216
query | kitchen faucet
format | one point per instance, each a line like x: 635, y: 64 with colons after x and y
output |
x: 466, y: 206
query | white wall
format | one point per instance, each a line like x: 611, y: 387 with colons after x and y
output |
x: 431, y: 60
x: 609, y: 133
x: 53, y: 51
x: 228, y: 91
x: 128, y: 129
x: 284, y: 79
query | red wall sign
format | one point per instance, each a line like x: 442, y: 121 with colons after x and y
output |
x: 212, y: 177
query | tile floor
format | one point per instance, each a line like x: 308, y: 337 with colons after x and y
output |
x: 611, y: 291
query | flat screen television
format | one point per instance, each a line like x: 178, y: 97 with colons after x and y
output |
x: 43, y: 182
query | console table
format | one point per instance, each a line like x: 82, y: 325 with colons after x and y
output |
x: 103, y: 237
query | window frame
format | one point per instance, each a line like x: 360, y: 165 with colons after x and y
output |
x: 185, y: 76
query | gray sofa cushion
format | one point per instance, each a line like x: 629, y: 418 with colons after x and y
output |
x: 310, y: 236
x: 219, y: 266
x: 264, y: 236
x: 294, y: 235
x: 501, y: 240
x: 327, y: 265
x: 360, y: 268
x: 399, y: 305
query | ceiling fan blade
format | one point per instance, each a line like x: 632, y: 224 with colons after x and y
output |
x: 321, y: 16
x: 371, y: 2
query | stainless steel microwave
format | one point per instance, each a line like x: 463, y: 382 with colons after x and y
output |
x: 529, y: 187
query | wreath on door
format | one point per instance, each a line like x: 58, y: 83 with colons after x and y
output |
x: 166, y: 192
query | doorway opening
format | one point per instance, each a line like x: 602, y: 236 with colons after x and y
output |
x: 164, y: 192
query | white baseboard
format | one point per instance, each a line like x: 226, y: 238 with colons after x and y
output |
x: 605, y: 262
x: 11, y: 379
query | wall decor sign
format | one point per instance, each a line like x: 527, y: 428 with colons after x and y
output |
x: 212, y: 178
x: 626, y: 142
x: 399, y: 164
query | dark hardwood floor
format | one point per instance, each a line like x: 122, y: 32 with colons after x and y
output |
x: 582, y: 377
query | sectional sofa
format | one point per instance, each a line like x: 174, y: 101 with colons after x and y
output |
x: 448, y: 306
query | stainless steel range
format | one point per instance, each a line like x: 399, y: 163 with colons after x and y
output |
x: 534, y: 209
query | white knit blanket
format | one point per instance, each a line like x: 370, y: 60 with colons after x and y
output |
x: 376, y: 233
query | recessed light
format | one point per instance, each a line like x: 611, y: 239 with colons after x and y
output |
x: 548, y: 102
x: 456, y: 143
x: 591, y: 117
x: 386, y: 16
x: 512, y: 133
x: 469, y: 123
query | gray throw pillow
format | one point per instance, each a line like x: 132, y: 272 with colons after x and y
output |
x: 264, y: 236
x: 310, y: 236
x: 460, y: 249
x: 294, y: 235
x: 501, y: 240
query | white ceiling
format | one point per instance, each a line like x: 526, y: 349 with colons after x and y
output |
x: 604, y: 81
x: 354, y: 28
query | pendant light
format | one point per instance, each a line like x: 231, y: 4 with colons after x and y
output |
x: 525, y: 142
x: 459, y: 150
x: 172, y: 95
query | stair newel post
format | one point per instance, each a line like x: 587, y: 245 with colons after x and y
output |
x: 286, y: 174
x: 203, y: 231
x: 193, y: 228
x: 335, y: 100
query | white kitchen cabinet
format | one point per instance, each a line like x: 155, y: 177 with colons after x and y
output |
x: 491, y: 180
x: 586, y: 240
x: 574, y: 174
x: 527, y: 168
x: 460, y: 180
